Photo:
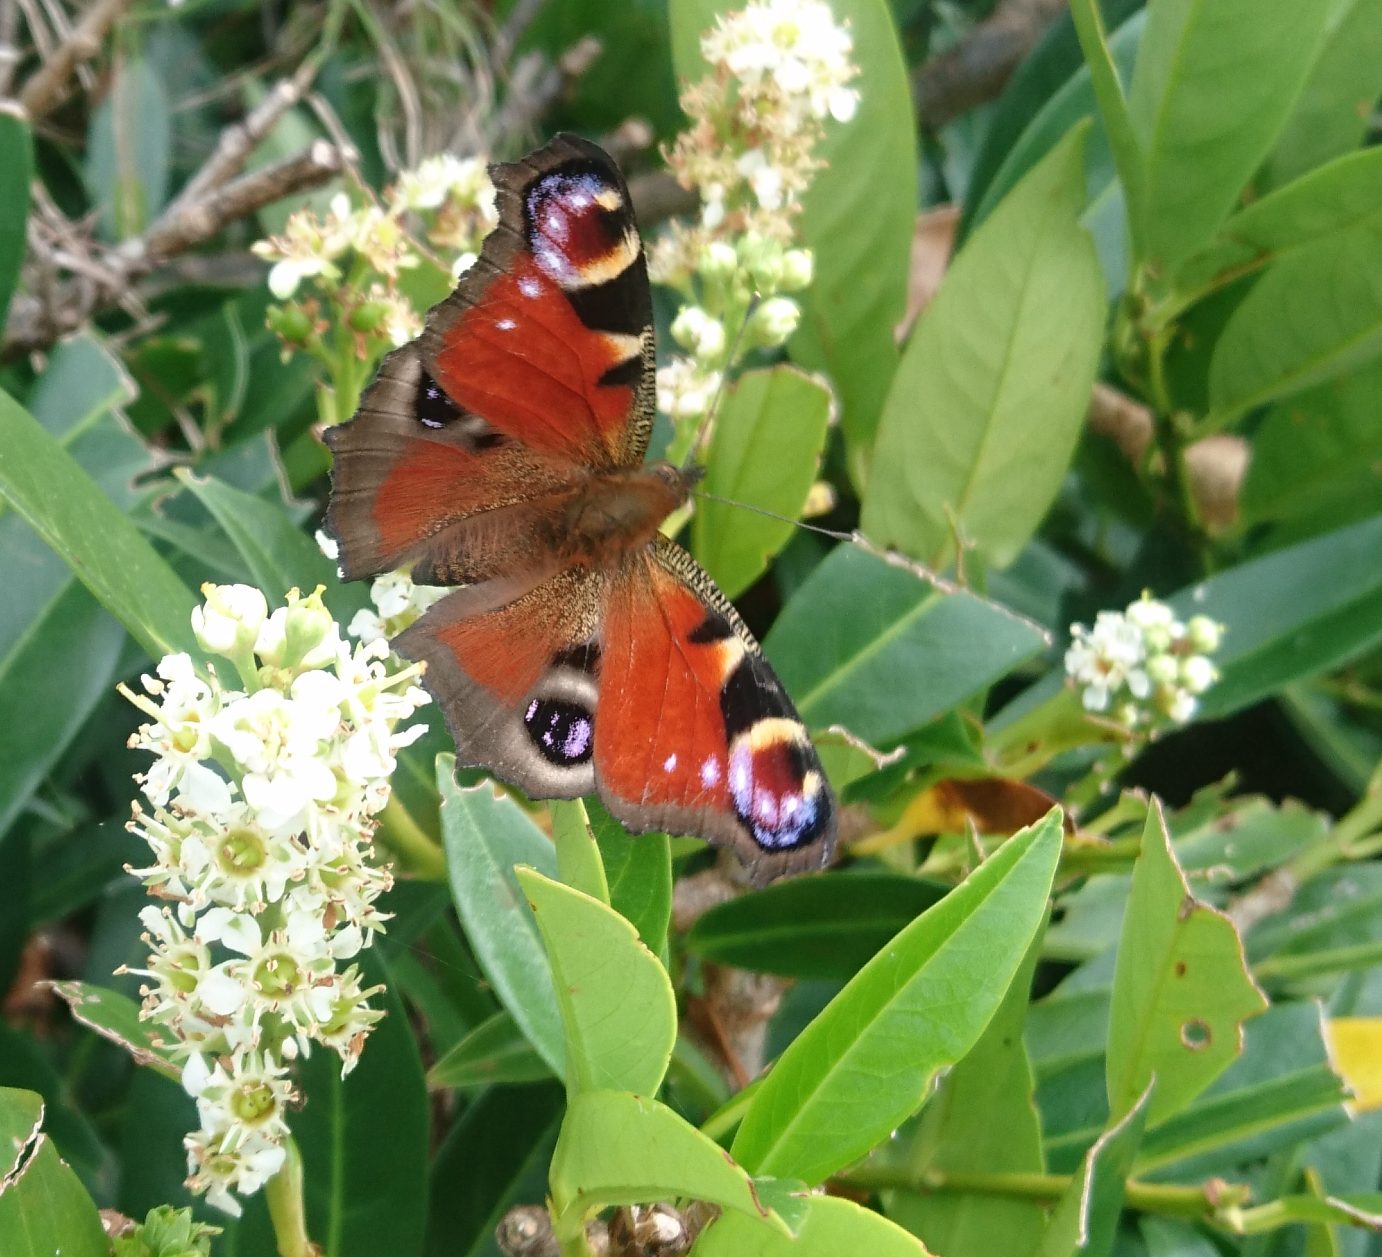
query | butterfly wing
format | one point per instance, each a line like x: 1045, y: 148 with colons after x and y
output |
x: 695, y: 734
x: 512, y: 666
x: 549, y: 334
x: 535, y: 371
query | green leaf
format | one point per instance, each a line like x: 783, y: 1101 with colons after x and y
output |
x: 279, y: 555
x: 617, y: 1005
x: 46, y: 485
x: 1213, y: 88
x: 812, y: 927
x: 1181, y: 991
x: 858, y: 626
x: 639, y: 871
x: 578, y: 857
x: 1315, y: 314
x: 1086, y: 1218
x: 622, y: 1149
x: 1334, y: 199
x: 1279, y: 1093
x: 21, y: 1119
x: 1321, y: 449
x: 129, y: 150
x: 983, y: 1120
x: 765, y: 453
x: 858, y: 218
x: 830, y: 1225
x: 867, y: 1061
x: 1074, y: 101
x: 1291, y: 614
x: 486, y: 833
x: 116, y: 1017
x: 991, y: 386
x: 496, y: 1051
x: 45, y: 1210
x: 1331, y: 114
x: 16, y: 159
x: 516, y: 1127
x: 364, y: 1138
x: 858, y: 214
x: 1114, y: 112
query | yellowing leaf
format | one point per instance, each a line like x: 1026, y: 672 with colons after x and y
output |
x: 1355, y: 1043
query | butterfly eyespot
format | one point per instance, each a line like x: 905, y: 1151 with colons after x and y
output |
x: 774, y: 788
x: 562, y: 732
x: 434, y: 409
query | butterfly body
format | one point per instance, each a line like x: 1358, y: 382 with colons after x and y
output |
x: 502, y: 451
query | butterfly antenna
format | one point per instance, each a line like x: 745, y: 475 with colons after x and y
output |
x: 702, y: 437
x: 833, y: 533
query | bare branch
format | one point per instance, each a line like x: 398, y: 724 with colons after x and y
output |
x: 238, y: 142
x: 51, y: 308
x: 975, y: 70
x: 180, y: 229
x: 48, y: 85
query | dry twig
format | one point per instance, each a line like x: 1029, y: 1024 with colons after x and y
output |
x: 975, y: 70
x: 48, y: 86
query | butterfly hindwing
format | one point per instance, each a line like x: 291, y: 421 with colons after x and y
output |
x: 549, y: 333
x: 694, y: 732
x: 516, y: 679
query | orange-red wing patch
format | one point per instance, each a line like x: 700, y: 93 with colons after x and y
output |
x: 660, y: 735
x: 522, y: 359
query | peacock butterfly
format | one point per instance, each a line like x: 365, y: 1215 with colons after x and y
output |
x: 502, y: 451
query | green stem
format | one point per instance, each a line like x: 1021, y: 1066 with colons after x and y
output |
x: 568, y: 1229
x: 283, y: 1194
x: 406, y: 839
x: 1169, y: 1199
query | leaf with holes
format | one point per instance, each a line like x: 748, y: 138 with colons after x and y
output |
x: 1181, y: 991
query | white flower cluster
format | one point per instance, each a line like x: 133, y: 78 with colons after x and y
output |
x: 263, y: 796
x: 397, y: 601
x: 778, y: 70
x: 449, y: 199
x: 1143, y: 663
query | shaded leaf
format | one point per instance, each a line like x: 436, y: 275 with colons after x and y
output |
x: 16, y: 159
x: 361, y: 1203
x: 1086, y: 1218
x: 1314, y: 315
x: 516, y: 1127
x: 983, y: 1119
x: 279, y: 555
x: 1291, y: 614
x: 46, y: 485
x: 1331, y: 113
x: 116, y: 1017
x: 486, y: 834
x: 639, y: 870
x: 870, y: 646
x: 129, y: 150
x: 812, y: 927
x: 496, y: 1051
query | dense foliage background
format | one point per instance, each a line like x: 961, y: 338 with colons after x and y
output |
x: 1154, y: 364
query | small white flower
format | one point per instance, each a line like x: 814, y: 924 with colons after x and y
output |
x: 1197, y: 674
x: 774, y: 321
x: 230, y: 618
x: 699, y: 332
